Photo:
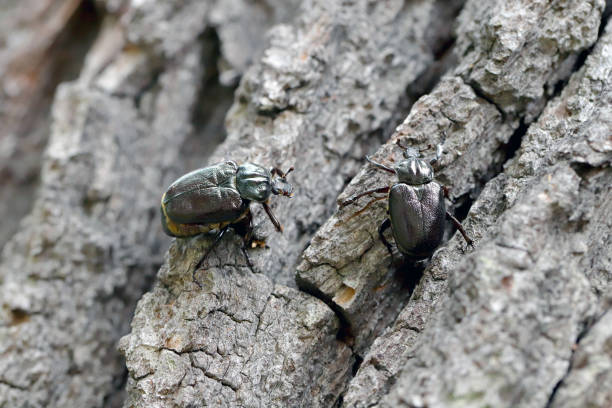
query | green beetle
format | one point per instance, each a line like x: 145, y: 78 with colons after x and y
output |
x: 219, y: 196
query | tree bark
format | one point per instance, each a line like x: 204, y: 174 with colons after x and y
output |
x: 303, y: 105
x: 517, y: 94
x: 72, y: 274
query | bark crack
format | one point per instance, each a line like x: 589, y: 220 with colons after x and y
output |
x: 13, y: 385
x: 587, y: 326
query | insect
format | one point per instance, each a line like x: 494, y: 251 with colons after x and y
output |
x: 416, y: 206
x: 218, y: 197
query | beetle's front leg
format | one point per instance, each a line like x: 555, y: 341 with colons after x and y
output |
x: 277, y: 224
x: 446, y: 191
x: 245, y: 228
x: 439, y: 151
x: 460, y: 228
x: 380, y: 166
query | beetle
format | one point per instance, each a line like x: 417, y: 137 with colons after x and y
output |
x: 218, y: 197
x: 415, y: 206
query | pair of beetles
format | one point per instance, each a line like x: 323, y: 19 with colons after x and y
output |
x: 218, y: 197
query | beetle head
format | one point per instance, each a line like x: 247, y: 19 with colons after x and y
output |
x: 410, y: 152
x: 280, y: 185
x: 413, y: 170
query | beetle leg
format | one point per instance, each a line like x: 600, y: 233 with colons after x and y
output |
x: 246, y: 256
x: 460, y: 228
x: 248, y: 225
x: 369, y: 192
x: 380, y: 166
x: 446, y: 191
x: 399, y: 143
x: 277, y: 224
x: 381, y: 233
x: 245, y: 228
x: 288, y: 171
x: 208, y: 251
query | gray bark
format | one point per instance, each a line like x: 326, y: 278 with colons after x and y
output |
x: 588, y: 379
x: 70, y: 278
x: 498, y: 327
x: 534, y: 287
x: 37, y: 52
x: 331, y: 55
x: 518, y: 94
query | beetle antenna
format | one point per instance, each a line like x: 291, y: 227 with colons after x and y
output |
x: 397, y: 142
x: 276, y: 171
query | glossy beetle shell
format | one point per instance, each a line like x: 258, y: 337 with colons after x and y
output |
x: 253, y: 182
x: 203, y: 200
x: 417, y: 214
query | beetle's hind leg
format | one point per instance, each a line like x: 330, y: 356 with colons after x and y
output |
x: 458, y: 225
x: 381, y: 233
x: 216, y: 241
x: 455, y: 221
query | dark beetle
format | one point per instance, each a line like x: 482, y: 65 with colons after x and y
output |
x: 218, y: 196
x: 416, y: 207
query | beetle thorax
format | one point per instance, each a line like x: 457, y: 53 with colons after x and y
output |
x: 253, y: 182
x: 414, y: 171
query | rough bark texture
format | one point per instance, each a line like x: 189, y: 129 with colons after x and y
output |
x: 238, y: 340
x: 331, y: 54
x: 501, y: 331
x: 38, y: 50
x: 72, y: 274
x: 346, y: 262
x: 588, y: 381
x: 524, y: 117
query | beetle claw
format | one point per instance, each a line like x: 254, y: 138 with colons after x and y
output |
x: 258, y: 243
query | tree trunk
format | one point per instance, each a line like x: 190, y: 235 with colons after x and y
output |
x: 517, y: 94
